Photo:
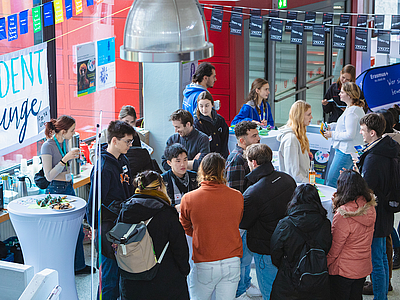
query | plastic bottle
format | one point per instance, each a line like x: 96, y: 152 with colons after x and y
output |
x: 311, y: 174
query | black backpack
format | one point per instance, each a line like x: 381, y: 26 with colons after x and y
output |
x: 311, y: 269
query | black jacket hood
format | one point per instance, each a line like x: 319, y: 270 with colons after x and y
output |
x: 386, y: 147
x: 142, y: 207
x: 306, y: 217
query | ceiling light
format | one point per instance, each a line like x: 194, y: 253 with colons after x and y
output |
x: 165, y: 31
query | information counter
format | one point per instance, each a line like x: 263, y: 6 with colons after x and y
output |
x: 319, y: 147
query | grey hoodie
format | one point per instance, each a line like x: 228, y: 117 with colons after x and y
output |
x: 291, y: 159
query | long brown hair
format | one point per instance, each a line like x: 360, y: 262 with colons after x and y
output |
x: 56, y: 125
x: 257, y: 84
x: 296, y: 122
x: 352, y: 89
x: 212, y: 168
x: 350, y: 186
x: 206, y: 95
x: 349, y: 69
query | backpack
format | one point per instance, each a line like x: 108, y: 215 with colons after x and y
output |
x: 393, y: 203
x: 135, y: 254
x: 311, y: 269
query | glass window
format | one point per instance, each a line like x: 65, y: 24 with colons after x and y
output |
x: 389, y: 7
x: 93, y: 25
x: 315, y: 75
x: 257, y: 56
x: 285, y: 77
x: 97, y: 22
x: 23, y: 41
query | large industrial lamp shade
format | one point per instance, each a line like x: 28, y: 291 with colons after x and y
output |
x: 165, y: 31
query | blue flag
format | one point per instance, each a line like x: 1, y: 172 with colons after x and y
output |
x: 3, y: 33
x: 48, y: 14
x: 12, y: 27
x: 23, y: 22
x: 68, y: 9
x: 89, y: 2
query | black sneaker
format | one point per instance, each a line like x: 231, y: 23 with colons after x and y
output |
x: 86, y: 270
x: 396, y: 258
x: 367, y: 289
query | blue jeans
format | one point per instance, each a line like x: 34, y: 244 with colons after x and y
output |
x: 340, y: 161
x: 245, y: 267
x: 395, y: 238
x: 60, y: 187
x: 66, y: 188
x: 266, y: 273
x: 109, y: 279
x: 380, y: 269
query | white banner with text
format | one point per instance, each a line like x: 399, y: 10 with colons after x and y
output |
x: 24, y: 97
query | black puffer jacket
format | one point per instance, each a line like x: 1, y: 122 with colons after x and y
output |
x: 375, y: 165
x: 217, y: 131
x: 265, y: 203
x: 170, y: 281
x: 287, y: 243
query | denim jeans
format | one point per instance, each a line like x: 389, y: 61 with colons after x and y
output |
x: 380, y: 269
x: 245, y: 267
x: 221, y: 275
x: 340, y: 161
x: 266, y: 273
x: 109, y: 279
x: 395, y: 238
x: 66, y: 188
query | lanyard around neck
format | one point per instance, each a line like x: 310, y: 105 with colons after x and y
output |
x: 63, y: 151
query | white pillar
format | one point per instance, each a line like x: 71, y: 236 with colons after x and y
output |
x: 162, y: 95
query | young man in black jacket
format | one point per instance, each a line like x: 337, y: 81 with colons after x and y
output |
x: 178, y: 180
x: 116, y: 188
x: 375, y: 167
x: 265, y: 203
x: 236, y: 168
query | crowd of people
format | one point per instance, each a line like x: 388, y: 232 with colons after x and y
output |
x: 213, y: 211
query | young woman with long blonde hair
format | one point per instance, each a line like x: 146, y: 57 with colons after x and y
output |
x: 294, y: 149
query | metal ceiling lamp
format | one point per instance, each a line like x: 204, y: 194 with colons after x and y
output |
x: 165, y: 31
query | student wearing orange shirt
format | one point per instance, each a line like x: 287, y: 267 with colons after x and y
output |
x: 211, y: 215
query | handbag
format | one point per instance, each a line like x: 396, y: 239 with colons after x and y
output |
x: 41, y: 181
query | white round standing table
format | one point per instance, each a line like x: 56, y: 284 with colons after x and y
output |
x: 48, y: 238
x: 326, y: 199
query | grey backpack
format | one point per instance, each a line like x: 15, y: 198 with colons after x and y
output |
x: 135, y: 251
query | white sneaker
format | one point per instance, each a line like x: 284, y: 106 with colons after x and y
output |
x: 243, y: 297
x: 253, y: 291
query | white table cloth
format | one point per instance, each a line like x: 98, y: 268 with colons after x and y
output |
x: 326, y: 199
x: 48, y: 238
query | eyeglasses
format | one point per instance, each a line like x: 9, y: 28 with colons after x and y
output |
x: 128, y: 142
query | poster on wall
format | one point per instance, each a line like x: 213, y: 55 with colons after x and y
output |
x: 86, y: 67
x: 105, y: 71
x: 24, y: 97
x: 188, y: 70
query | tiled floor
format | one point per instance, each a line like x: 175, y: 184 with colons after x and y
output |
x: 83, y: 282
